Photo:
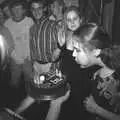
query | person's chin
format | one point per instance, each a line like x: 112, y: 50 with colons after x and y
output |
x: 73, y: 29
x: 84, y: 66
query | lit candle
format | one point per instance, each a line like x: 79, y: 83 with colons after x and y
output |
x: 42, y: 79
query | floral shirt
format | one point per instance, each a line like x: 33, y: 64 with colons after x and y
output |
x: 106, y: 92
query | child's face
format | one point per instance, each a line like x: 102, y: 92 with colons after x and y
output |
x: 83, y: 56
x: 18, y: 12
x: 72, y: 20
x: 37, y: 10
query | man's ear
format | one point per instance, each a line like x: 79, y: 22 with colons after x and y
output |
x: 96, y: 52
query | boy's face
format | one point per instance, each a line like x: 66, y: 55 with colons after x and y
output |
x: 83, y: 56
x: 73, y: 20
x: 37, y: 10
x: 18, y: 12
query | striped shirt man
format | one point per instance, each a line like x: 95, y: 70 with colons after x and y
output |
x: 43, y: 41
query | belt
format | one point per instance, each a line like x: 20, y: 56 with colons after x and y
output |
x: 42, y: 62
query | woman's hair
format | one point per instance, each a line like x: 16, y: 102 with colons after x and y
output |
x: 43, y: 2
x: 92, y: 37
x: 111, y: 56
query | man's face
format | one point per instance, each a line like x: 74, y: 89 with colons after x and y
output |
x: 37, y: 10
x: 72, y: 20
x: 18, y: 12
x: 56, y: 8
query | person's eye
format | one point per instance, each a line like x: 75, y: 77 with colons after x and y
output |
x: 76, y: 18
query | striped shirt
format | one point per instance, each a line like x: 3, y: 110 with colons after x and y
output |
x: 43, y: 40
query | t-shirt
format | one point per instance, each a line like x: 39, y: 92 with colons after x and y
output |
x: 20, y: 34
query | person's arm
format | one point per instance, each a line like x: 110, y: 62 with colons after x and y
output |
x: 61, y: 35
x: 32, y: 44
x: 9, y: 40
x: 54, y: 111
x: 55, y: 107
x: 106, y: 114
x: 56, y: 54
x: 60, y: 32
x: 93, y: 107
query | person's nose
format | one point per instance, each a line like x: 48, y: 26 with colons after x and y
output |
x: 72, y: 21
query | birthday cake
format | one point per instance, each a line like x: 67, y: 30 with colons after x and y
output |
x: 48, y: 86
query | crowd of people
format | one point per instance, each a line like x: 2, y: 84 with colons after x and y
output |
x: 38, y: 38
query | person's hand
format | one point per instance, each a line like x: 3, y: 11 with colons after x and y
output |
x: 61, y: 36
x: 56, y: 54
x: 90, y: 104
x: 61, y: 99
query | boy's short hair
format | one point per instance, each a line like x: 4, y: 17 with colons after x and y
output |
x: 43, y: 2
x: 17, y: 3
x: 38, y: 1
x: 93, y: 35
x: 60, y: 2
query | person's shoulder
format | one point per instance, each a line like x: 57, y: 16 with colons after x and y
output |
x: 4, y: 29
x: 33, y: 26
x: 29, y: 19
x: 8, y: 21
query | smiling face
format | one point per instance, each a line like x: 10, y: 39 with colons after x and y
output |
x: 18, y: 12
x: 83, y: 56
x: 72, y: 20
x: 56, y: 8
x: 37, y: 10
